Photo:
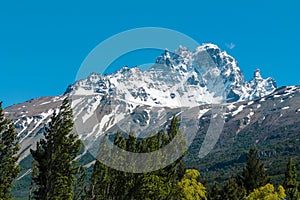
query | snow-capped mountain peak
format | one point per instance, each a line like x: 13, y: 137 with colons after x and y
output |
x: 207, y: 46
x: 206, y: 75
x: 257, y: 74
x: 143, y: 101
x: 261, y: 87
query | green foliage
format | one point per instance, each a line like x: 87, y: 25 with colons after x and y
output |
x: 233, y: 191
x: 275, y: 143
x: 79, y: 186
x: 189, y: 188
x: 9, y: 148
x: 153, y: 187
x: 267, y: 192
x: 53, y: 169
x: 253, y: 175
x: 230, y: 191
x: 110, y: 184
x: 215, y: 193
x: 290, y: 183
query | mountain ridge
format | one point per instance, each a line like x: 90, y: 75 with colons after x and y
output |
x: 182, y: 83
x: 212, y: 74
x: 180, y: 79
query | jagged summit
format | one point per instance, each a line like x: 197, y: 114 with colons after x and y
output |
x: 207, y: 46
x: 257, y: 74
x: 261, y: 87
x: 183, y: 77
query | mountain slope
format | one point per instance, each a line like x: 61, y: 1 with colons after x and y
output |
x: 271, y: 124
x: 180, y: 79
x: 182, y: 82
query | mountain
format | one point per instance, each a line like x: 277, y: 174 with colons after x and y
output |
x: 271, y: 124
x: 185, y: 83
x: 179, y: 79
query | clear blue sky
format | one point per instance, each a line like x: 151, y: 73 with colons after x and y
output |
x: 43, y: 43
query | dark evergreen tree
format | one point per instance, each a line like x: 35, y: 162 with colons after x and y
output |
x: 99, y: 183
x: 107, y: 183
x: 253, y: 175
x: 152, y: 187
x: 233, y: 191
x: 111, y: 184
x: 215, y: 193
x: 9, y: 148
x: 79, y: 187
x: 290, y: 183
x: 54, y: 166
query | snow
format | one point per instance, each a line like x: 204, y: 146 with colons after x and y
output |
x: 46, y: 102
x: 58, y: 98
x: 290, y: 90
x: 231, y: 107
x: 89, y: 164
x: 25, y: 124
x: 202, y: 112
x: 25, y: 174
x: 250, y: 103
x: 188, y: 77
x: 44, y: 116
x: 160, y: 81
x: 83, y: 92
x: 121, y: 116
x: 249, y: 117
x: 90, y: 109
x: 95, y: 132
x: 76, y: 102
x: 258, y: 106
x: 106, y: 122
x: 285, y: 108
x: 238, y: 110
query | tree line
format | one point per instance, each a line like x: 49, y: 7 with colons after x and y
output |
x: 56, y: 174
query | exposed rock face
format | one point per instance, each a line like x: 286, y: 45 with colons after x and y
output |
x: 177, y: 80
x: 184, y: 83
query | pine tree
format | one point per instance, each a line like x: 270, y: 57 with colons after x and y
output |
x: 109, y: 184
x: 233, y: 191
x: 99, y: 182
x: 79, y: 187
x: 9, y: 148
x: 215, y: 193
x: 290, y: 183
x: 253, y: 175
x: 54, y: 167
x: 152, y: 187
